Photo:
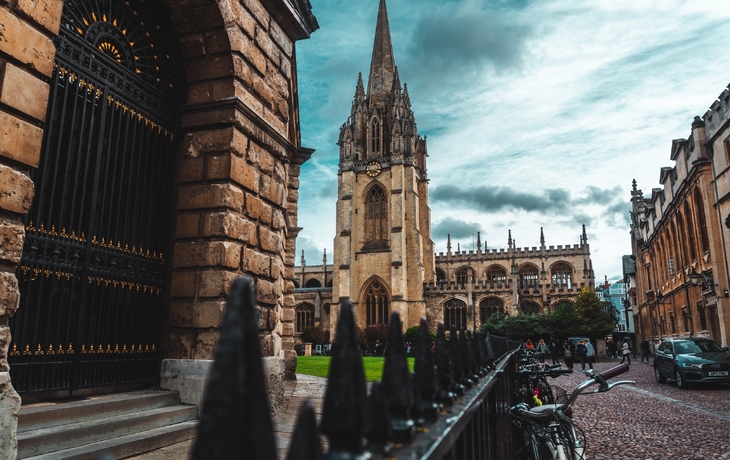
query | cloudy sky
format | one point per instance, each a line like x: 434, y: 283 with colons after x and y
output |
x: 538, y: 113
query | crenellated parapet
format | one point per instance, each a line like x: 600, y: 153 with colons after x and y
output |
x: 718, y: 115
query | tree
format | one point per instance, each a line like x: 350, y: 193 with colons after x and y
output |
x: 376, y: 332
x: 563, y: 322
x: 411, y: 335
x: 313, y: 334
x: 594, y: 319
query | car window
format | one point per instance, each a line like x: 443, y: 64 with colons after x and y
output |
x: 705, y: 346
x: 686, y: 346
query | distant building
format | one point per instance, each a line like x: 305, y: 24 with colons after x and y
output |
x: 384, y: 258
x: 617, y: 294
x: 679, y: 239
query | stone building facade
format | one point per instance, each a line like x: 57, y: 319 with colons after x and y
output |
x: 679, y: 241
x: 384, y: 258
x: 209, y: 90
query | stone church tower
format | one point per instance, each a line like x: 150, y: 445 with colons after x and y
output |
x: 383, y: 248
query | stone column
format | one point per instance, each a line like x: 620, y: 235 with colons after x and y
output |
x: 26, y: 61
x: 237, y: 179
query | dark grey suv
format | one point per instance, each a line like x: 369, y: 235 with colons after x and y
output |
x: 691, y: 360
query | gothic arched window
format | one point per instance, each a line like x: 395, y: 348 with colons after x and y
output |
x: 690, y: 233
x: 377, y: 304
x: 562, y: 275
x: 528, y: 277
x: 455, y: 314
x: 313, y: 283
x: 530, y: 308
x: 376, y: 215
x: 489, y: 307
x: 497, y: 275
x: 305, y: 316
x: 375, y: 137
x: 440, y: 276
x: 462, y: 276
x: 701, y: 222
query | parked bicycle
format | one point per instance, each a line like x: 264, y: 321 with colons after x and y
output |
x: 548, y: 431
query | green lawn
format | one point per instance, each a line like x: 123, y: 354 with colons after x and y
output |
x: 319, y: 366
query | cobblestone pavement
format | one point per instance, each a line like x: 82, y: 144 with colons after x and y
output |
x: 647, y: 421
x: 652, y: 421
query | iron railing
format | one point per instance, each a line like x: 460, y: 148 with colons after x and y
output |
x: 455, y: 405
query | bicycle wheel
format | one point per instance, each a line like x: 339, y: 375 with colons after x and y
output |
x: 536, y: 446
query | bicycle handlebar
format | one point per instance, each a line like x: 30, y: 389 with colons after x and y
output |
x: 614, y: 371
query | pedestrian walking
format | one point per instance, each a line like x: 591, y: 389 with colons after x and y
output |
x: 529, y: 345
x: 590, y: 354
x: 626, y: 352
x: 581, y: 351
x: 611, y: 348
x: 568, y: 353
x: 542, y: 348
x: 554, y: 346
x: 644, y: 350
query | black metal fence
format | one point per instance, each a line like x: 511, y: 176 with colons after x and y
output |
x: 453, y: 406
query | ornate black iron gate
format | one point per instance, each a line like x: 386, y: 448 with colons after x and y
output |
x: 93, y: 269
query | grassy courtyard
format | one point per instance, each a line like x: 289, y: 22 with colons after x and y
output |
x: 319, y: 366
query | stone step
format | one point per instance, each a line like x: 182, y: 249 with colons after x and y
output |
x: 68, y: 436
x: 48, y: 415
x: 126, y: 446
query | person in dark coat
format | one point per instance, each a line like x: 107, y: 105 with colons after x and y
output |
x: 582, y: 353
x: 568, y: 353
x: 644, y: 350
x: 554, y: 347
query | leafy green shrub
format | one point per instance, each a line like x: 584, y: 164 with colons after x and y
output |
x: 313, y: 334
x: 411, y: 335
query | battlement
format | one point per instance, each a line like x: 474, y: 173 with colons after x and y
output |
x: 497, y: 254
x: 718, y: 114
x: 493, y: 287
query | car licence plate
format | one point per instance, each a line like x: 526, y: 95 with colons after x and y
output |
x: 718, y: 374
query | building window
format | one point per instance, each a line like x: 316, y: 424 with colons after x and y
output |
x: 375, y: 137
x: 563, y: 276
x: 727, y: 150
x: 377, y: 304
x: 489, y: 307
x: 455, y: 314
x: 377, y: 215
x: 313, y: 283
x: 530, y: 308
x: 440, y: 276
x: 462, y: 276
x: 690, y: 233
x: 529, y: 277
x: 701, y: 222
x: 305, y: 316
x: 671, y: 266
x: 497, y: 275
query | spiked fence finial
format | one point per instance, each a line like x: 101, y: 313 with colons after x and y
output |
x: 397, y: 383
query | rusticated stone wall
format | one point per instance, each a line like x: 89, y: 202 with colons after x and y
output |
x: 238, y: 172
x: 238, y: 168
x: 26, y: 60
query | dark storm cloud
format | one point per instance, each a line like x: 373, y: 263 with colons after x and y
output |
x: 467, y: 41
x: 458, y: 229
x: 492, y: 199
x: 556, y: 203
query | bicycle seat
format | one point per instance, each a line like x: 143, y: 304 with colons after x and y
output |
x: 545, y: 411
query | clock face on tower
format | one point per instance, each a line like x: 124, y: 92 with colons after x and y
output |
x: 373, y: 168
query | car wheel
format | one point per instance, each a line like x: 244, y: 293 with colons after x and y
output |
x: 680, y: 381
x: 658, y: 375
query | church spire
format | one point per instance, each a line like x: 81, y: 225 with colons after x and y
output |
x: 382, y: 66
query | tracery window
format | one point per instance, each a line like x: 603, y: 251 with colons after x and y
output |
x: 313, y: 283
x: 455, y: 314
x: 462, y: 276
x: 377, y: 215
x: 529, y: 277
x: 529, y: 308
x: 377, y: 304
x: 440, y: 276
x: 489, y: 307
x: 375, y: 137
x: 497, y: 275
x: 563, y: 276
x: 305, y: 316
